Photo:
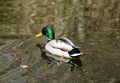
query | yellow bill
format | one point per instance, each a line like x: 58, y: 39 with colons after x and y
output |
x: 39, y: 35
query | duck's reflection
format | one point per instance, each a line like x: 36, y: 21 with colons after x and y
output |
x: 74, y: 63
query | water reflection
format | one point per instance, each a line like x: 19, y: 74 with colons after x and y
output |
x: 75, y: 62
x: 8, y: 56
x: 92, y: 25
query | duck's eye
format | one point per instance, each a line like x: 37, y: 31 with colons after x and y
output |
x: 44, y: 31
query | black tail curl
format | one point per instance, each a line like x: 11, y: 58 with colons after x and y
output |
x: 74, y: 51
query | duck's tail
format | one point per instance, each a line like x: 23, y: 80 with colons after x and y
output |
x: 75, y: 53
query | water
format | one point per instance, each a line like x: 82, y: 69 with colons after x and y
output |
x: 91, y: 25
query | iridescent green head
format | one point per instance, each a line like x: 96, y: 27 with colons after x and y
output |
x: 47, y: 31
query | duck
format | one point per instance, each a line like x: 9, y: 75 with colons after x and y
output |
x: 62, y: 47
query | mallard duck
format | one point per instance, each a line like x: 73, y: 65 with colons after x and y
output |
x: 62, y: 47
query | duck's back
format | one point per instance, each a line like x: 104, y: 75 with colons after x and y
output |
x: 62, y: 47
x: 66, y: 40
x: 59, y: 44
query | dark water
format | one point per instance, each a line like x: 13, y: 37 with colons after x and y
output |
x: 93, y: 26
